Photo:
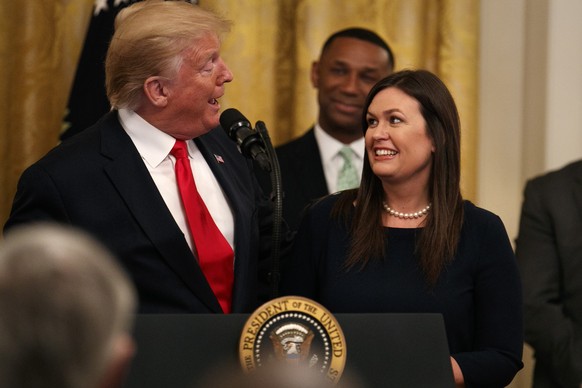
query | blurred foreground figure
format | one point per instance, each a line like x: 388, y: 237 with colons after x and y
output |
x: 66, y: 311
x: 274, y: 377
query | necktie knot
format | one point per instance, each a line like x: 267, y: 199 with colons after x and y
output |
x: 179, y: 150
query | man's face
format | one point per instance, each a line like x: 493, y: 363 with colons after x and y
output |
x: 344, y: 75
x: 193, y: 94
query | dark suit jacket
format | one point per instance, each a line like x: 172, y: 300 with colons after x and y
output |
x: 549, y: 250
x: 301, y: 174
x: 97, y: 181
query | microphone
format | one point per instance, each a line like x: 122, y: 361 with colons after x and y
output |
x: 256, y: 144
x: 239, y: 129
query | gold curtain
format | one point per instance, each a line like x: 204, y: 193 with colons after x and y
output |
x: 40, y: 42
x: 269, y: 50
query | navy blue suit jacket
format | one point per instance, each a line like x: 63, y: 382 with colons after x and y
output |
x: 97, y: 181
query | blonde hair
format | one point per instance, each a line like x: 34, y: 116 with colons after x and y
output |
x: 150, y: 37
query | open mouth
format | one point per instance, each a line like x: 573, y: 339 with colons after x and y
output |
x: 385, y: 152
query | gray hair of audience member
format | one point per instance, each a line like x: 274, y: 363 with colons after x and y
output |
x: 149, y: 40
x: 66, y: 309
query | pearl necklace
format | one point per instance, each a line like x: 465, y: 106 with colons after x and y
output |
x: 406, y: 216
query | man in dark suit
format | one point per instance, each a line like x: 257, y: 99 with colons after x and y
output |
x: 351, y: 62
x: 549, y: 252
x: 116, y: 180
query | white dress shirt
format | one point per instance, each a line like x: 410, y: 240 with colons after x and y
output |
x: 331, y: 161
x: 154, y: 146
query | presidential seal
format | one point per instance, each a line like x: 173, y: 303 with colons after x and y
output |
x: 293, y: 331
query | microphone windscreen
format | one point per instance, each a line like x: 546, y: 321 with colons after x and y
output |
x: 230, y: 117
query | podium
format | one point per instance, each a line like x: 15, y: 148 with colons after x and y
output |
x: 383, y: 350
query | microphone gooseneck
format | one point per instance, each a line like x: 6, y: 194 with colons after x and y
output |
x: 256, y: 144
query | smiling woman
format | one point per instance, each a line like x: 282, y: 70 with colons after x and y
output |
x: 411, y: 244
x: 399, y: 147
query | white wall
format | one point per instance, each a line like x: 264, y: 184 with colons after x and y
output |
x: 530, y: 118
x: 501, y: 101
x: 564, y: 83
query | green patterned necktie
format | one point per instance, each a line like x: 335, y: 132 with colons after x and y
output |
x: 348, y: 175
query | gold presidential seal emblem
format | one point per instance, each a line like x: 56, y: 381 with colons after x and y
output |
x: 293, y: 331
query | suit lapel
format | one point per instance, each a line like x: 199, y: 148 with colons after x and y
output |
x: 135, y: 185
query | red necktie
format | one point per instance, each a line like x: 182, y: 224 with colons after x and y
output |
x: 215, y: 256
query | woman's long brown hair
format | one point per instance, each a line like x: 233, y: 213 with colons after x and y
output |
x: 438, y: 240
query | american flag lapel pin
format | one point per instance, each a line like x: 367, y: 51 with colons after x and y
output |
x: 219, y: 159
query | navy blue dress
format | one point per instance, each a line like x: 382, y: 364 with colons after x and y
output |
x: 478, y: 293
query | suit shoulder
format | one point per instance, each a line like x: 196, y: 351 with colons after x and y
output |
x: 75, y: 148
x: 320, y: 209
x: 571, y: 171
x: 307, y: 140
x: 475, y: 216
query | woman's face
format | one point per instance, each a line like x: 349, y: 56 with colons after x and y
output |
x: 398, y: 146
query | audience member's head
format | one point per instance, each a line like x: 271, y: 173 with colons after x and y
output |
x: 351, y: 62
x: 66, y: 311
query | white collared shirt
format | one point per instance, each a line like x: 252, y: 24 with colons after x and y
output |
x: 331, y: 161
x: 154, y: 146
